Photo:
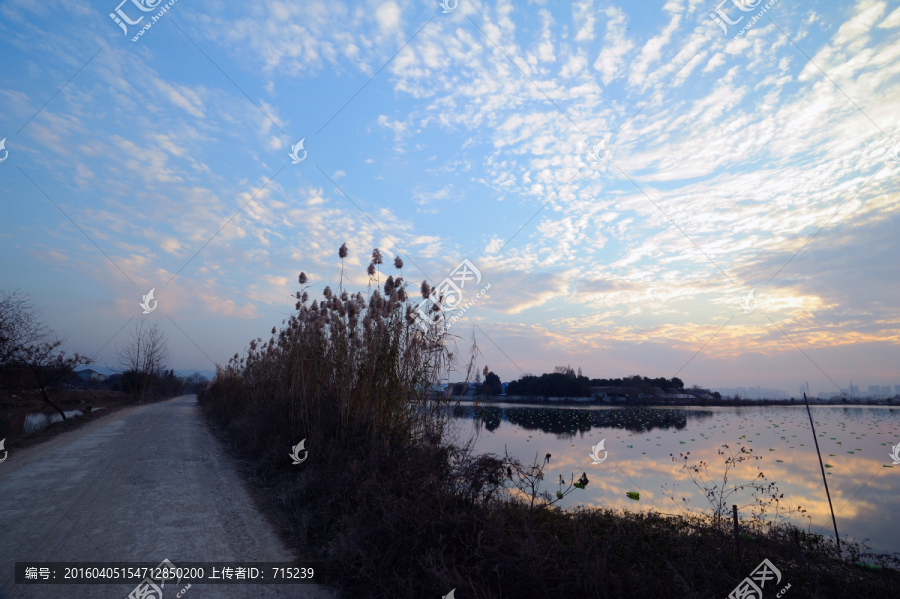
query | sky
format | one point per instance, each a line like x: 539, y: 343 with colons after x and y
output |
x: 621, y: 175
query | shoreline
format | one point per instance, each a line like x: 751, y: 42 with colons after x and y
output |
x: 94, y: 405
x: 652, y: 402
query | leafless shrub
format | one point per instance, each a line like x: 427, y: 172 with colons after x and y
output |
x: 767, y: 500
x: 145, y: 354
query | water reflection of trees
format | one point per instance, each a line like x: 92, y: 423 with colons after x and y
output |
x: 17, y: 423
x: 564, y: 422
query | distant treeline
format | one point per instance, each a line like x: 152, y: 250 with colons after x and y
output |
x: 639, y: 381
x: 558, y: 384
x: 551, y: 385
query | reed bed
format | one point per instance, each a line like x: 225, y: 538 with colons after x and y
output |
x: 343, y: 366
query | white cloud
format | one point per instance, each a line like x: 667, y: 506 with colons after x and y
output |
x: 616, y: 45
x: 388, y: 16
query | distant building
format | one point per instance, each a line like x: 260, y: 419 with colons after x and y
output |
x: 885, y: 391
x: 874, y: 390
x: 854, y: 389
x: 616, y: 393
x: 90, y: 375
x: 897, y: 388
x: 751, y: 392
x: 466, y: 389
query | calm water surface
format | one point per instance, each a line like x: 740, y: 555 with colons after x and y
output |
x: 16, y: 423
x: 855, y: 442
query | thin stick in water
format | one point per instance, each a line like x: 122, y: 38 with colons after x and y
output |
x: 822, y: 467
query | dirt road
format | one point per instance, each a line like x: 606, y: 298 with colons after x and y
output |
x: 147, y: 483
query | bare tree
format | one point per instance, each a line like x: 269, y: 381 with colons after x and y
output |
x: 46, y: 366
x: 196, y: 382
x: 30, y: 357
x: 566, y: 370
x: 145, y: 353
x: 19, y: 325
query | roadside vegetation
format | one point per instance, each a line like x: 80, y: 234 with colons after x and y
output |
x: 31, y: 355
x: 391, y: 506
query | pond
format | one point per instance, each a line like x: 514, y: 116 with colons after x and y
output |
x: 645, y: 448
x: 16, y: 423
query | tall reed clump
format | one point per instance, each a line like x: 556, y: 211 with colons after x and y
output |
x: 342, y: 368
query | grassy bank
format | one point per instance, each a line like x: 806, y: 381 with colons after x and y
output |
x: 393, y: 509
x: 407, y: 522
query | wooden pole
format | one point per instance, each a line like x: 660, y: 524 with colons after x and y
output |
x: 822, y: 467
x: 737, y: 537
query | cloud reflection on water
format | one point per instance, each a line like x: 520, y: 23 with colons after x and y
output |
x: 643, y: 441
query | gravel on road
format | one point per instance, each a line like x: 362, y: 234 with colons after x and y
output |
x: 144, y: 484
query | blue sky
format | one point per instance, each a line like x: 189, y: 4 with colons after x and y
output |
x: 439, y: 137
